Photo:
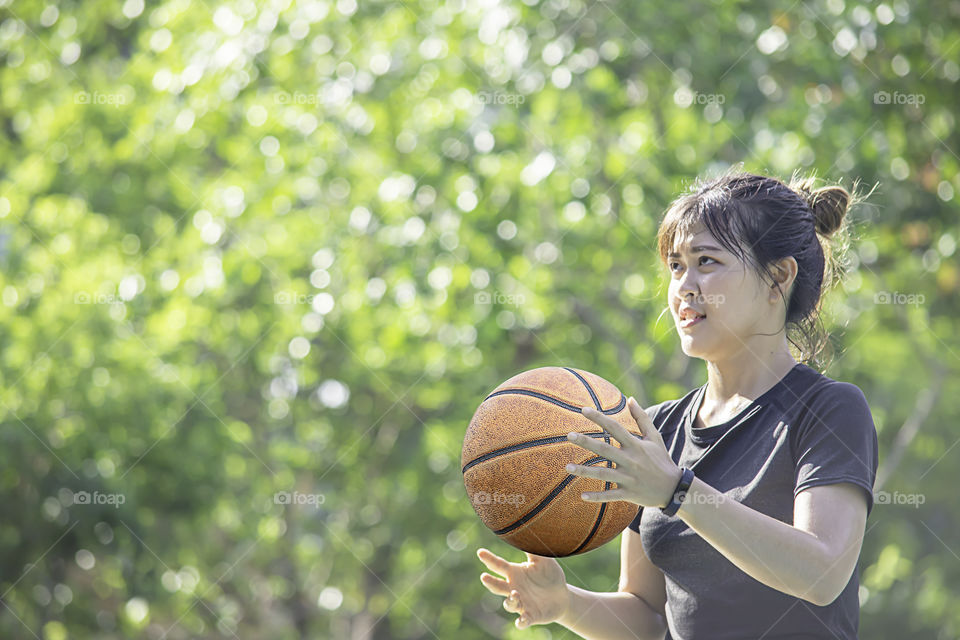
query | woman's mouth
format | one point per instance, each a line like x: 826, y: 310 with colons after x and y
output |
x: 689, y: 322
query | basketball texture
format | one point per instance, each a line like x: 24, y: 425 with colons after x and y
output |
x: 514, y: 457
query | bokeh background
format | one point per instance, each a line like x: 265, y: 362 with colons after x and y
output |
x: 262, y: 260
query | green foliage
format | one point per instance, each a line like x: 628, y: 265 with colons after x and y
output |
x: 255, y: 248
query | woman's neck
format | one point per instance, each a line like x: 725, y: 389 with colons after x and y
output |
x: 746, y: 378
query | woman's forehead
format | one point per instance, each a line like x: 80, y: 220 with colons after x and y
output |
x: 697, y: 236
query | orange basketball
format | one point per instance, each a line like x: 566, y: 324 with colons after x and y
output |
x: 514, y: 457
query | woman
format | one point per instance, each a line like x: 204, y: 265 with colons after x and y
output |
x: 754, y: 489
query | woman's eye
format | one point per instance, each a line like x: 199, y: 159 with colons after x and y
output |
x: 675, y: 265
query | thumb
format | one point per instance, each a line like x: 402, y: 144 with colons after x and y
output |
x: 536, y: 560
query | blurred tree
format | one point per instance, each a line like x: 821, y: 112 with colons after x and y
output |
x: 262, y: 261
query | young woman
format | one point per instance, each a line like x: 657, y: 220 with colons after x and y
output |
x: 753, y: 489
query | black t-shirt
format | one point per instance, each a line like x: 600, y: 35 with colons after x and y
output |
x: 806, y: 430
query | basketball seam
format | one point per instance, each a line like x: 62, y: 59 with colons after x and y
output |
x: 525, y: 445
x: 596, y: 400
x: 560, y: 403
x: 593, y: 531
x: 607, y: 485
x: 543, y: 503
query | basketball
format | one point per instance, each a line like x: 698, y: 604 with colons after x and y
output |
x: 514, y: 457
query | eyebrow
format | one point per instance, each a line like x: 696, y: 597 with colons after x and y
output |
x: 697, y: 249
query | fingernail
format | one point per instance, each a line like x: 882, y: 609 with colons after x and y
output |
x: 570, y: 467
x: 572, y: 436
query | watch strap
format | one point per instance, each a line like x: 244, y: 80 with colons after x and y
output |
x: 686, y: 479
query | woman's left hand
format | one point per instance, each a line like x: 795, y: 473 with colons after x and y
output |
x: 644, y: 473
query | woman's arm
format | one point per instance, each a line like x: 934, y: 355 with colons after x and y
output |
x: 538, y: 591
x: 611, y: 616
x: 636, y: 610
x: 812, y: 559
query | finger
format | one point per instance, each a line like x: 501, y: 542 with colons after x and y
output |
x: 611, y: 426
x: 495, y: 585
x: 598, y: 473
x: 647, y: 428
x: 605, y: 496
x: 522, y: 622
x: 599, y: 447
x: 511, y: 606
x: 493, y: 562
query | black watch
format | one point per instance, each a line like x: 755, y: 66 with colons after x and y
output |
x: 679, y: 493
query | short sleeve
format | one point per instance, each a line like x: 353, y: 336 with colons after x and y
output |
x: 836, y: 441
x: 654, y: 412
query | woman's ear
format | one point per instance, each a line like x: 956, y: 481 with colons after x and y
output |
x: 784, y: 274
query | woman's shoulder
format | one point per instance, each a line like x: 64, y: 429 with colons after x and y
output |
x: 822, y: 389
x: 828, y: 404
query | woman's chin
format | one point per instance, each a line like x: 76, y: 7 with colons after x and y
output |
x: 693, y: 347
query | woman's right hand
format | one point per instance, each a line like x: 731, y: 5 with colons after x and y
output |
x: 536, y: 589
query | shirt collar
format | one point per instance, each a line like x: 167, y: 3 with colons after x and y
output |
x: 707, y: 435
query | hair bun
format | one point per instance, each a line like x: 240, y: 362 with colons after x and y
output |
x: 828, y: 204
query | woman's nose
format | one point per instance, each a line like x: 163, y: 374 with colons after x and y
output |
x: 687, y: 285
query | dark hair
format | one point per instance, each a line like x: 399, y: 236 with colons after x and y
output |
x: 762, y: 220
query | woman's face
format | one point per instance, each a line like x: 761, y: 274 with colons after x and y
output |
x: 706, y: 279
